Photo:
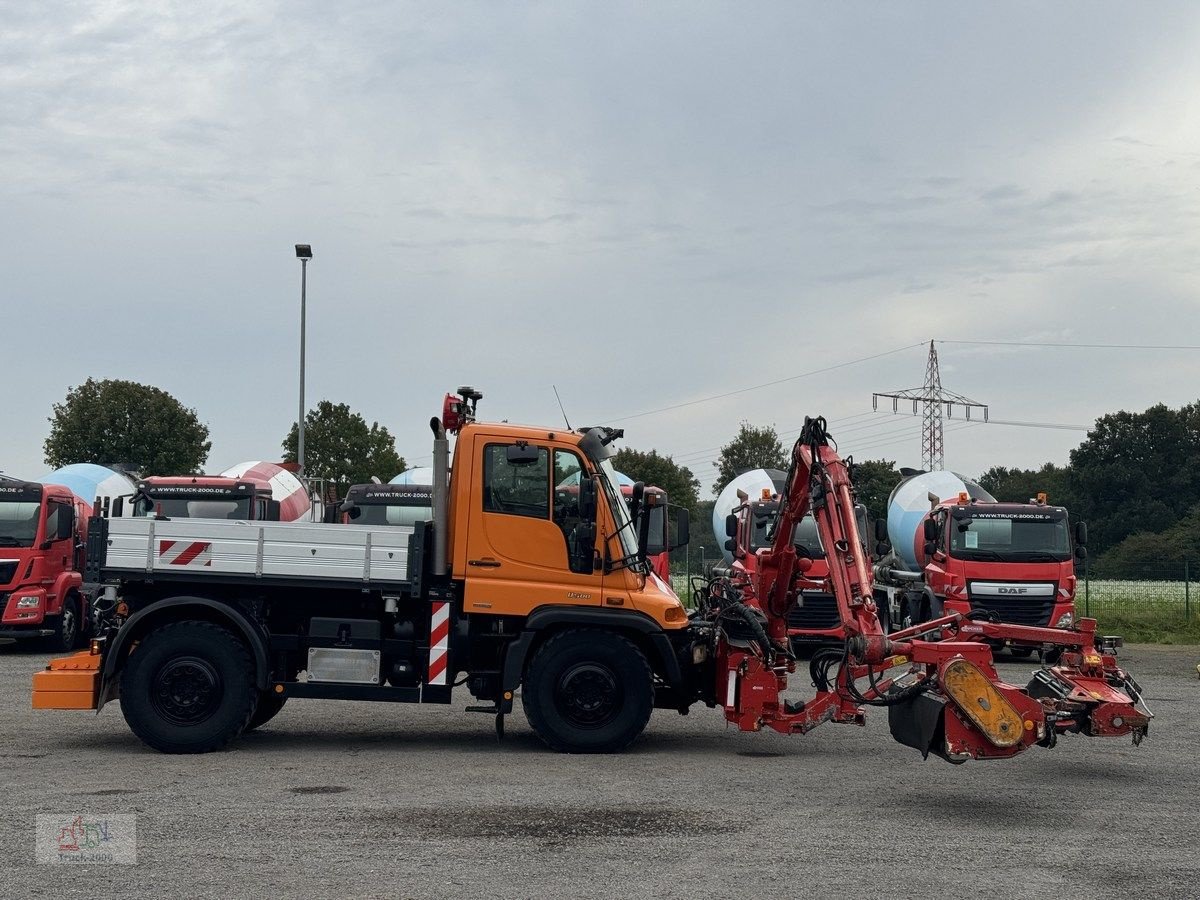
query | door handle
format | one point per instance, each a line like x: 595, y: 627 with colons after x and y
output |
x: 486, y: 563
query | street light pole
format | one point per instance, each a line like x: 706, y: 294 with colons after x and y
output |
x: 304, y: 254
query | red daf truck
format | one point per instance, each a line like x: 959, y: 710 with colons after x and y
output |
x: 969, y: 554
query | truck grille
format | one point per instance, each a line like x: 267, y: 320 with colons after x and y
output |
x: 818, y: 612
x: 8, y: 570
x: 1018, y: 610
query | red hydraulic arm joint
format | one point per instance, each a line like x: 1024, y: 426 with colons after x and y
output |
x: 949, y: 700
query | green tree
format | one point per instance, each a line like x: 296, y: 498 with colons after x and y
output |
x: 659, y: 471
x: 751, y: 448
x: 340, y: 446
x: 873, y: 483
x: 1021, y: 485
x: 1143, y: 554
x: 124, y: 422
x: 1136, y: 472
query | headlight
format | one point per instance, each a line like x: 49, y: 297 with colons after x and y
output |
x: 29, y: 602
x: 1066, y: 620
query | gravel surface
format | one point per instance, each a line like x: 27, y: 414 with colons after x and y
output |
x: 336, y: 799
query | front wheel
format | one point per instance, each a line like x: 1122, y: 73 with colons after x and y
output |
x: 188, y: 688
x: 588, y: 692
x: 66, y: 628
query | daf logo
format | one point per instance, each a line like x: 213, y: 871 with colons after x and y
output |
x: 1013, y: 590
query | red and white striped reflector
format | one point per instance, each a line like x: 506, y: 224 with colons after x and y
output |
x: 182, y: 553
x: 439, y: 643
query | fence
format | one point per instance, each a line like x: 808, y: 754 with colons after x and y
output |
x: 1151, y: 589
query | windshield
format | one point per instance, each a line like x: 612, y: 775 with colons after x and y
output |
x: 1017, y: 537
x: 625, y: 531
x: 183, y: 508
x: 18, y: 523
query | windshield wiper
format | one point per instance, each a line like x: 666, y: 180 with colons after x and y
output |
x: 1035, y: 556
x: 8, y: 540
x: 980, y: 554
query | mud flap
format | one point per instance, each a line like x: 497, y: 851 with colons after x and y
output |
x: 920, y: 722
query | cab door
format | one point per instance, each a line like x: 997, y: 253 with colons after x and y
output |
x: 528, y: 545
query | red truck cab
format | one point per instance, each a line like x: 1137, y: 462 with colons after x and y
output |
x: 43, y: 531
x: 1013, y: 559
x: 814, y: 619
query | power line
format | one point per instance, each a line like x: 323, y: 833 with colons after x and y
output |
x: 1078, y: 346
x: 766, y: 384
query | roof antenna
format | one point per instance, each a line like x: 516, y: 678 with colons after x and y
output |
x: 560, y: 406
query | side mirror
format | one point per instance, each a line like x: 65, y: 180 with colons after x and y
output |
x: 273, y: 512
x: 587, y: 497
x: 636, y: 498
x: 931, y: 530
x: 730, y: 545
x: 118, y: 508
x: 682, y: 528
x: 930, y: 548
x: 882, y: 548
x: 881, y: 533
x: 731, y: 525
x: 66, y: 523
x: 522, y: 454
x: 1080, y: 534
x: 1080, y: 551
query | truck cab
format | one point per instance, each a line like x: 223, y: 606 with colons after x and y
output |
x: 42, y: 533
x: 1015, y: 560
x: 814, y: 619
x: 205, y: 497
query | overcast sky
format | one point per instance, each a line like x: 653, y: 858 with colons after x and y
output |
x: 644, y: 203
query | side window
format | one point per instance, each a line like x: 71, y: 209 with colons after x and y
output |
x: 516, y: 488
x: 52, y: 517
x: 579, y: 534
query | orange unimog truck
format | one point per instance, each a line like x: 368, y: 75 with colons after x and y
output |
x: 510, y: 583
x: 212, y: 625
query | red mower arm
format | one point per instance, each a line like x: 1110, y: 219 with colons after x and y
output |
x: 937, y: 680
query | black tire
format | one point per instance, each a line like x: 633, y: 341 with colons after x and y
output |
x: 269, y: 705
x: 67, y: 630
x: 882, y: 611
x: 188, y: 688
x: 588, y: 692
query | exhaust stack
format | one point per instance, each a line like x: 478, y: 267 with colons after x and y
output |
x: 441, y: 494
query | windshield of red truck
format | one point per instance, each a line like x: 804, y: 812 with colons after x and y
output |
x: 1010, y: 537
x: 804, y: 535
x: 18, y: 523
x: 198, y: 508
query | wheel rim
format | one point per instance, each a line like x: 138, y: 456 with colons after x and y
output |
x: 186, y: 690
x: 589, y: 695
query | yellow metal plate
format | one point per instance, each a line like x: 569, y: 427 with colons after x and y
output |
x: 987, y: 708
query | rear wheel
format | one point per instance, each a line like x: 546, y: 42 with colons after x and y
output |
x: 188, y: 688
x: 588, y: 692
x: 269, y: 705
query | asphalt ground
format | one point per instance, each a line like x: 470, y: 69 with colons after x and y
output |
x: 338, y: 799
